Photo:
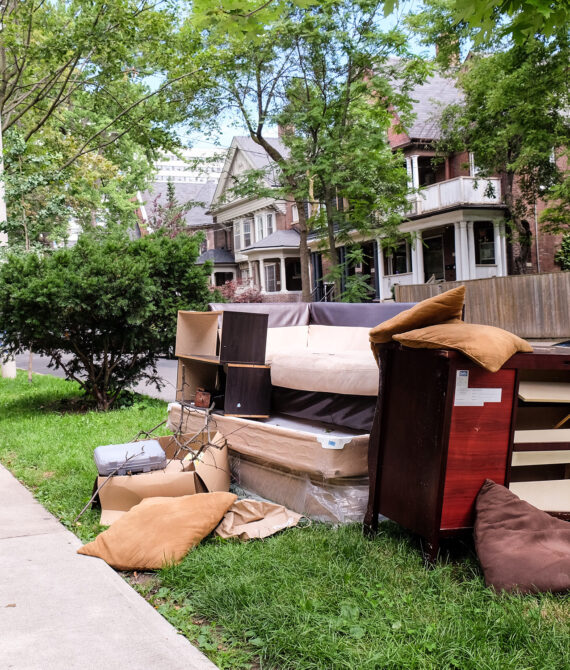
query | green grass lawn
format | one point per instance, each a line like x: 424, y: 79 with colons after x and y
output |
x: 313, y: 597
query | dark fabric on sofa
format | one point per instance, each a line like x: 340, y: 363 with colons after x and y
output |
x: 365, y: 315
x: 349, y: 411
x: 280, y: 313
x: 520, y: 548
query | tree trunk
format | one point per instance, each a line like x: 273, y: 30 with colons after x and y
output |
x: 522, y: 237
x: 333, y: 254
x: 304, y: 253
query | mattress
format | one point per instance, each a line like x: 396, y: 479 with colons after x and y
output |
x: 310, y: 447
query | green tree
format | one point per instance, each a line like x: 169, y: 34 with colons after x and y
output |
x: 513, y: 116
x: 322, y: 72
x: 169, y: 217
x: 103, y: 310
x: 82, y: 97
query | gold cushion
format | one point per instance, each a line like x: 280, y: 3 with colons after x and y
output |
x: 159, y: 531
x: 446, y: 306
x: 487, y: 346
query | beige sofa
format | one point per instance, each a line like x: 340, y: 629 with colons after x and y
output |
x: 322, y: 366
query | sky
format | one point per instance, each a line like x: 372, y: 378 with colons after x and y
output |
x: 232, y: 126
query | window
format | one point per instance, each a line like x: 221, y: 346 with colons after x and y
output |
x: 237, y: 235
x: 294, y: 213
x: 271, y: 278
x: 269, y: 224
x: 397, y: 260
x: 246, y: 225
x: 484, y: 233
x: 258, y: 227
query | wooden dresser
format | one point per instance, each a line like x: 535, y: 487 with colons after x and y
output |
x: 443, y: 425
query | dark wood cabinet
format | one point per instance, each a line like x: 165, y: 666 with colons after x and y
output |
x: 442, y: 426
x: 224, y: 353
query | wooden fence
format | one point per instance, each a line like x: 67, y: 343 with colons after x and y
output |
x: 532, y: 306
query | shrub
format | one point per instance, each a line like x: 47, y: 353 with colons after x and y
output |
x: 239, y: 291
x: 103, y: 310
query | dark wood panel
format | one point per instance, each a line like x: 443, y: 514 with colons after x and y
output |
x: 248, y: 391
x: 244, y: 337
x: 478, y: 447
x: 411, y: 441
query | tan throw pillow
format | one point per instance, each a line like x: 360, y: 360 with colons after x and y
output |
x: 487, y: 346
x: 437, y: 309
x: 159, y: 531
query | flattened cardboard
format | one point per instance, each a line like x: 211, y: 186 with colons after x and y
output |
x: 255, y: 519
x: 209, y: 473
x: 297, y: 450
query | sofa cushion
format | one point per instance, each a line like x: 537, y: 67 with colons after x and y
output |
x: 349, y: 372
x: 437, y: 309
x: 329, y: 339
x: 488, y: 346
x: 284, y: 339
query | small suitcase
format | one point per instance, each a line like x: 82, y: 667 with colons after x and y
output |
x: 133, y: 457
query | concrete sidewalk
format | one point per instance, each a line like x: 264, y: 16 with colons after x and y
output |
x: 62, y: 610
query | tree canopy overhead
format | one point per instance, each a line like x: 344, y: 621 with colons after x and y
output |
x: 83, y: 109
x: 322, y: 71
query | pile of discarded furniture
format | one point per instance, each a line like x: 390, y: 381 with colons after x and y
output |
x: 292, y: 388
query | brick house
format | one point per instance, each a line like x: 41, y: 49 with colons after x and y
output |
x: 456, y: 221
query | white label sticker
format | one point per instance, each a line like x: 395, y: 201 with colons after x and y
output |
x: 473, y: 397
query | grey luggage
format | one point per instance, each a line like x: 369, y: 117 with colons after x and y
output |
x: 133, y: 457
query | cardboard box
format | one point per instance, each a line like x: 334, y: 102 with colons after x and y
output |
x: 282, y: 442
x: 182, y: 476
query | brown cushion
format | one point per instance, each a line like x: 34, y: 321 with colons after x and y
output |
x: 159, y: 531
x: 520, y: 548
x: 488, y: 346
x: 437, y: 309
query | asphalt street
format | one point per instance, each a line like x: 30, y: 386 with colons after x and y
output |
x: 167, y: 369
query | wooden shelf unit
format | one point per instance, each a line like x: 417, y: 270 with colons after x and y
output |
x: 443, y: 425
x: 224, y: 353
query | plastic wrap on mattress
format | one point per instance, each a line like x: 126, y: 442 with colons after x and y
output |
x: 341, y: 500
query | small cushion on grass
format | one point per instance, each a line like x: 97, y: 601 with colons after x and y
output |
x: 487, y: 346
x: 159, y: 531
x: 520, y: 548
x: 446, y: 306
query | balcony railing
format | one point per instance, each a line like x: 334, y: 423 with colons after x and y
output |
x: 458, y: 191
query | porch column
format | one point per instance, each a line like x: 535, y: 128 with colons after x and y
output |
x: 418, y: 259
x: 415, y: 172
x: 498, y: 249
x: 283, y: 277
x: 409, y: 170
x: 503, y: 239
x: 262, y: 275
x: 250, y: 273
x: 472, y: 273
x: 461, y: 251
x: 380, y: 270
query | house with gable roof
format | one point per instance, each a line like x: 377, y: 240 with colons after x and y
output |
x: 256, y: 233
x: 454, y: 228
